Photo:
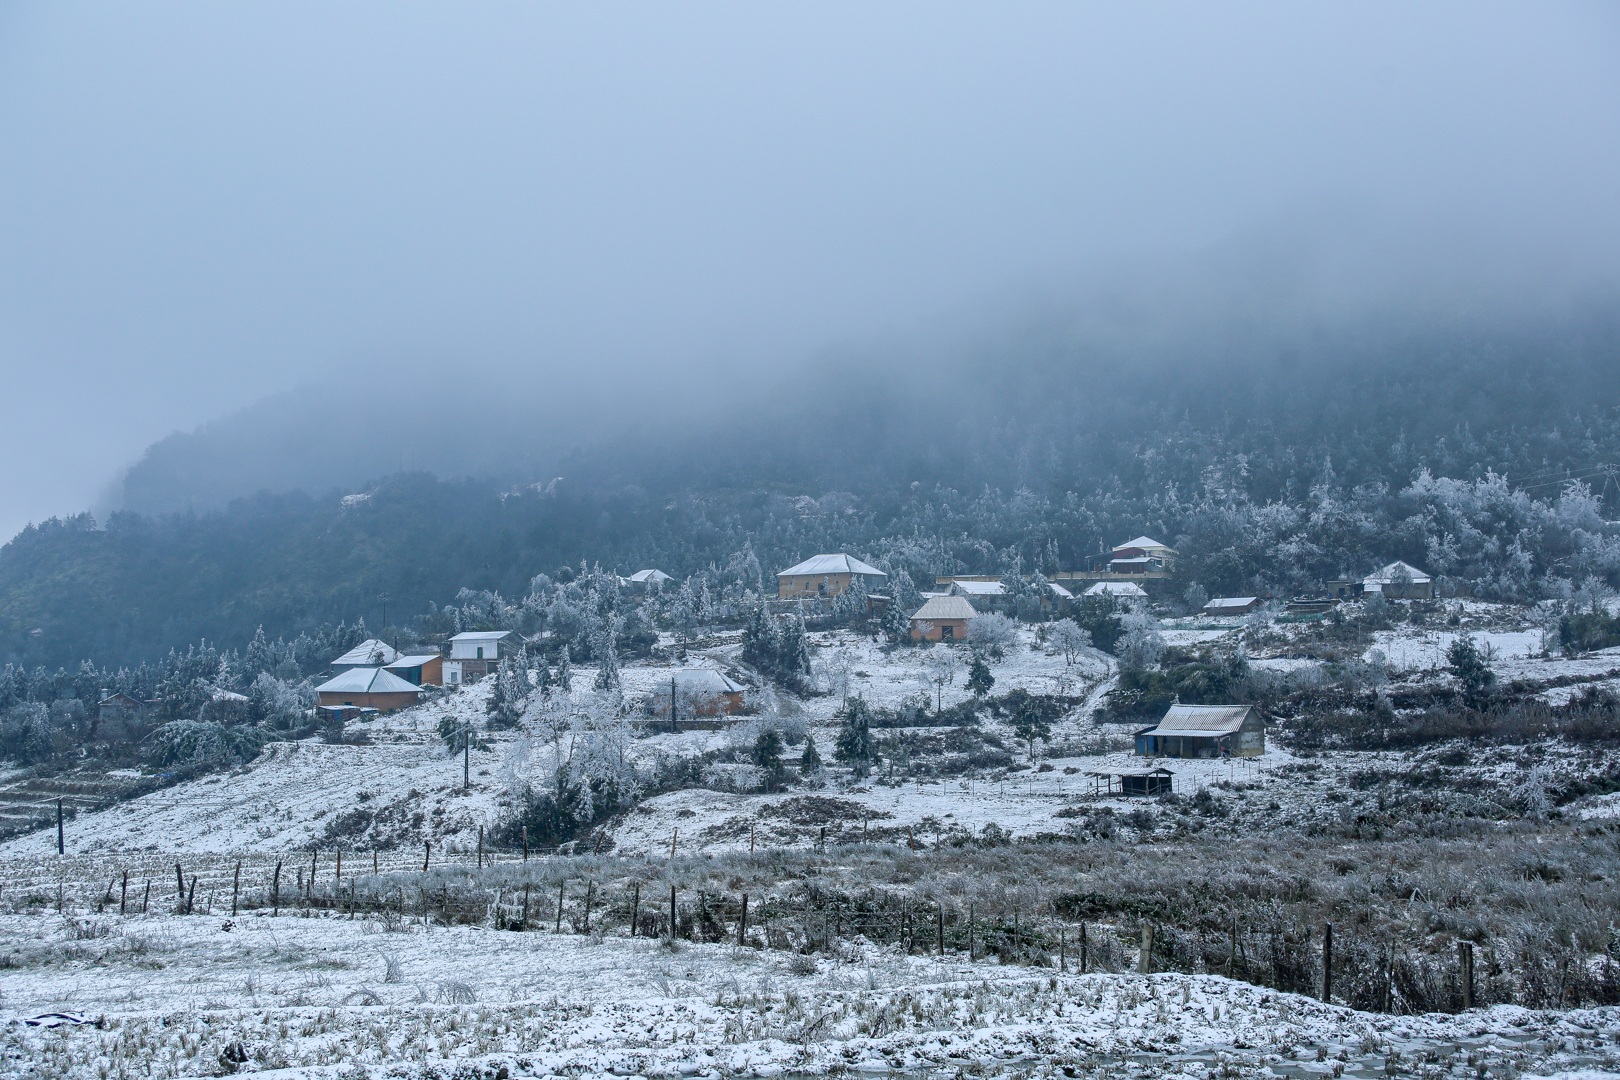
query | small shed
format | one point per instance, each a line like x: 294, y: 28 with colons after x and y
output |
x: 372, y: 688
x: 1231, y: 605
x: 422, y: 669
x: 341, y: 714
x: 1205, y: 731
x: 699, y: 691
x: 372, y: 652
x: 943, y: 618
x: 1145, y: 782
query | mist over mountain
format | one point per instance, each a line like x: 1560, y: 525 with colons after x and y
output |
x: 1223, y: 407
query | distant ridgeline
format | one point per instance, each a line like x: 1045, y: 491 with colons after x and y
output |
x: 1269, y: 469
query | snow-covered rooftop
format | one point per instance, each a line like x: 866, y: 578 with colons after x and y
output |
x: 1219, y: 602
x: 481, y: 635
x: 1207, y: 720
x: 368, y: 653
x: 945, y: 609
x: 979, y: 588
x: 839, y: 563
x: 1389, y: 574
x: 413, y: 661
x: 649, y: 577
x: 366, y: 680
x: 1116, y: 588
x: 1146, y: 543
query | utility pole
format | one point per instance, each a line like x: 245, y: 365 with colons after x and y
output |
x: 61, y: 843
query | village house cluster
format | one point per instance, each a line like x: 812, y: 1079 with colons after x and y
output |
x: 375, y: 677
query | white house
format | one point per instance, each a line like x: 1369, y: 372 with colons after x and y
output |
x: 1401, y: 581
x: 1124, y: 591
x: 473, y: 655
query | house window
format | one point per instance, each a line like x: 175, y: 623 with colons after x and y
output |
x: 947, y: 633
x: 480, y: 652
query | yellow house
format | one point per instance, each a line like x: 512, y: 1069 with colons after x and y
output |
x: 826, y: 575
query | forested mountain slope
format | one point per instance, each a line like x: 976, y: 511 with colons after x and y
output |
x: 1271, y: 457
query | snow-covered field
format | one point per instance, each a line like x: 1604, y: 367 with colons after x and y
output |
x: 169, y: 996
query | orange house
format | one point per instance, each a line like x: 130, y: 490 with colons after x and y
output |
x: 943, y: 618
x: 368, y: 688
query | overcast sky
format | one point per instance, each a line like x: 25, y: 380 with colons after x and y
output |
x: 204, y: 204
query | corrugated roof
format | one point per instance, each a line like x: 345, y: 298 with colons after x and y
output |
x: 646, y: 577
x: 945, y: 609
x: 839, y: 563
x: 1231, y: 601
x: 368, y: 653
x: 367, y: 680
x: 481, y: 635
x: 1060, y: 590
x: 980, y: 588
x: 1206, y: 720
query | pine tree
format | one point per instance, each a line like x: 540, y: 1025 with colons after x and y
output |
x: 979, y: 680
x: 565, y: 670
x: 855, y: 747
x: 607, y: 675
x: 768, y: 755
x: 1030, y: 723
x: 810, y: 760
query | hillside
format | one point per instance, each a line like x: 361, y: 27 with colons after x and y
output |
x: 1288, y: 453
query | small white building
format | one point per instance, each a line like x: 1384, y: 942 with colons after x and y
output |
x: 1231, y: 605
x: 473, y: 655
x: 646, y: 580
x: 1400, y: 581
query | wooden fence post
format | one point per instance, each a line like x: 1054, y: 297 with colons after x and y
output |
x: 123, y: 894
x: 1144, y: 962
x: 236, y: 887
x: 971, y: 921
x: 275, y: 891
x: 673, y: 923
x: 525, y: 843
x: 192, y: 894
x: 480, y: 847
x: 590, y: 894
x: 1083, y: 957
x: 374, y: 867
x: 61, y: 841
x: 427, y: 854
x: 1465, y: 965
x: 940, y: 923
x: 179, y: 884
x: 635, y: 908
x: 338, y: 878
x: 560, y: 887
x: 525, y: 905
x: 742, y: 922
x: 148, y: 897
x: 1327, y: 962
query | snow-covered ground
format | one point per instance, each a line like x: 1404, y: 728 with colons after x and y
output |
x: 170, y: 996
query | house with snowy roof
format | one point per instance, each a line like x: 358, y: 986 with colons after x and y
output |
x: 646, y: 580
x: 827, y: 576
x: 1125, y: 592
x: 474, y: 654
x: 368, y: 688
x: 1205, y: 731
x: 943, y: 618
x: 1144, y: 555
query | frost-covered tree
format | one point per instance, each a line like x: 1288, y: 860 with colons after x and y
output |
x: 993, y: 634
x: 979, y: 680
x: 1141, y: 644
x: 855, y: 747
x: 939, y: 669
x: 1070, y: 640
x: 810, y: 759
x: 1469, y: 667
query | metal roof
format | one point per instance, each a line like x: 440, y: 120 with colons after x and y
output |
x: 1202, y: 720
x: 945, y: 609
x: 980, y: 588
x: 367, y: 680
x: 368, y: 653
x: 1060, y: 590
x: 1231, y: 601
x: 481, y: 635
x: 817, y: 565
x: 413, y: 661
x: 1145, y: 542
x: 644, y: 577
x: 1386, y: 576
x: 702, y: 680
